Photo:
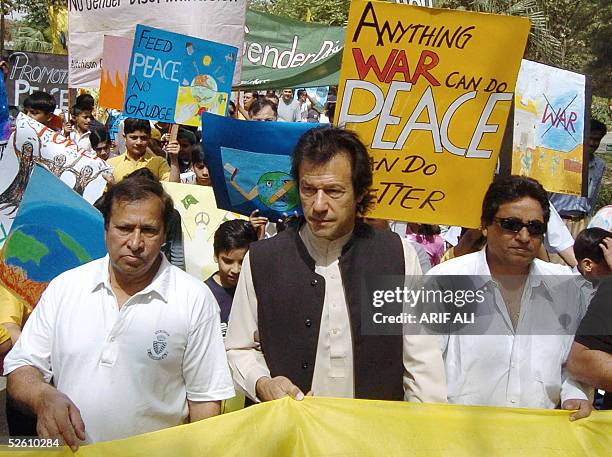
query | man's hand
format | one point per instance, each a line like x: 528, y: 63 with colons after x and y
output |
x: 172, y: 149
x: 258, y: 223
x: 278, y: 387
x: 606, y: 247
x: 59, y: 418
x: 583, y: 408
x: 5, y: 68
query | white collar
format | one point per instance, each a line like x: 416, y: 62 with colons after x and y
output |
x: 321, y: 248
x: 160, y: 284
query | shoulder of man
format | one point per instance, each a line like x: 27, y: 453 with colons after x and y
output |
x: 117, y: 159
x: 549, y: 268
x: 77, y: 279
x: 462, y: 265
x: 268, y: 245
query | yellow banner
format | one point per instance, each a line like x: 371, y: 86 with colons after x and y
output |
x: 341, y: 427
x: 429, y: 92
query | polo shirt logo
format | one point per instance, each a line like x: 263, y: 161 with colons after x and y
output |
x: 159, y: 348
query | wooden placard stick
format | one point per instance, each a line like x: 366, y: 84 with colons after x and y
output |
x: 174, y: 128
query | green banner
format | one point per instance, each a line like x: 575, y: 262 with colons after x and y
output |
x: 280, y: 52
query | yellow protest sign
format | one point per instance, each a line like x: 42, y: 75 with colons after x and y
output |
x: 200, y: 218
x: 365, y: 428
x: 429, y: 92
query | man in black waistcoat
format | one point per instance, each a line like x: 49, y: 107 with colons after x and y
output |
x: 295, y: 324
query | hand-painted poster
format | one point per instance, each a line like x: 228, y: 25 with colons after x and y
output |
x: 549, y: 127
x: 175, y: 78
x: 114, y: 72
x: 55, y: 230
x: 32, y: 143
x: 250, y: 164
x: 200, y: 218
x: 89, y: 21
x: 429, y: 92
x: 319, y: 95
x: 32, y: 71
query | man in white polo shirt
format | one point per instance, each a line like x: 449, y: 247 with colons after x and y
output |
x: 126, y: 344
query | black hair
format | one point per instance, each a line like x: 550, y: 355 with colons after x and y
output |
x: 184, y: 134
x: 234, y: 234
x: 321, y: 144
x: 99, y: 135
x: 139, y: 185
x: 233, y: 105
x: 260, y: 104
x: 131, y: 125
x: 77, y: 109
x: 507, y: 189
x: 300, y: 92
x: 40, y: 100
x: 85, y: 101
x: 197, y: 155
x: 273, y: 98
x: 598, y: 126
x: 429, y: 230
x: 587, y: 244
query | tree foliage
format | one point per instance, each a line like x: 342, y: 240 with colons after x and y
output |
x: 571, y: 34
x: 30, y: 40
x: 331, y: 12
x: 542, y: 44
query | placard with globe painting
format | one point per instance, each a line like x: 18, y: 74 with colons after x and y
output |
x: 55, y: 230
x: 250, y: 164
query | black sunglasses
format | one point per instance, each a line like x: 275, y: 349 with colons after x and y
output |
x: 515, y: 225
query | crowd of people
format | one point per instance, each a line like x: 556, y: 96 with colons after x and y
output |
x: 133, y: 338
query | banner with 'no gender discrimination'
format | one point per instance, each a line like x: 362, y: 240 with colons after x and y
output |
x: 429, y: 92
x: 90, y: 20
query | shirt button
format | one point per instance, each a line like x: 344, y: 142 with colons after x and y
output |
x: 335, y: 331
x: 305, y: 365
x: 112, y: 339
x: 513, y: 401
x: 308, y: 323
x: 314, y: 282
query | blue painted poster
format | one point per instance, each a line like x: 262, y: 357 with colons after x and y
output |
x: 5, y: 125
x: 55, y: 230
x: 175, y: 78
x: 250, y: 164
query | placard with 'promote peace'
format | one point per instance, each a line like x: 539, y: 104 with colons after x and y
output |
x: 429, y: 92
x: 175, y: 78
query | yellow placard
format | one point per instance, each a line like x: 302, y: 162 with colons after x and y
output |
x: 341, y: 427
x: 200, y: 218
x: 429, y: 92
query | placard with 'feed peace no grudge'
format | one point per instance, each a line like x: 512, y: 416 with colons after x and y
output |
x: 429, y: 92
x: 175, y: 78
